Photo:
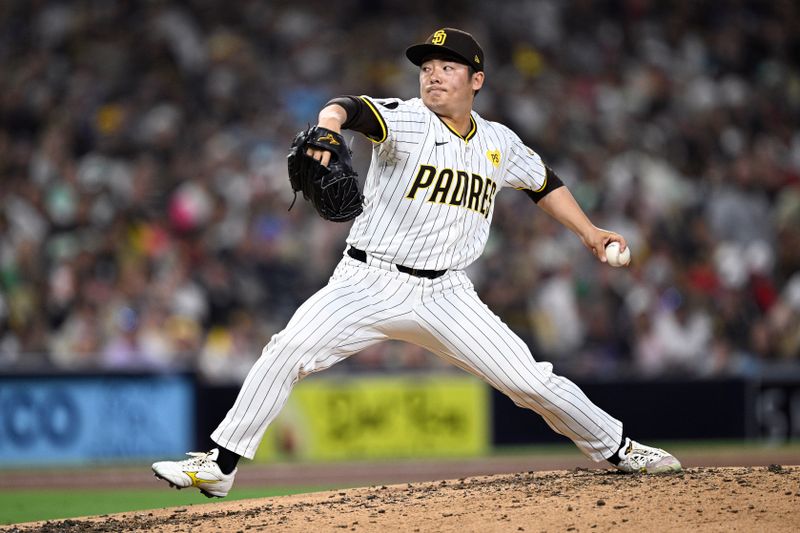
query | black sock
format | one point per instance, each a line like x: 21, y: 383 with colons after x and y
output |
x: 614, y: 459
x: 227, y: 460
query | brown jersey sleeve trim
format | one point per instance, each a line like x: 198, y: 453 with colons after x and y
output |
x: 384, y: 129
x: 551, y: 183
x: 361, y: 117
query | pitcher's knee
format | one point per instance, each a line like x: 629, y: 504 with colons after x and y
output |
x: 289, y: 343
x: 299, y: 356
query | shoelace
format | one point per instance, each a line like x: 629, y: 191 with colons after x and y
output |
x: 198, y: 458
x: 642, y: 457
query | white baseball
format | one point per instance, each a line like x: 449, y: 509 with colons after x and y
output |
x: 614, y: 257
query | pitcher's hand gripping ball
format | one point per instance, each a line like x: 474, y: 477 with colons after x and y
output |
x: 332, y: 190
x: 616, y: 258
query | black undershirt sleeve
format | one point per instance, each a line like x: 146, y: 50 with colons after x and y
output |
x: 553, y: 182
x: 360, y: 117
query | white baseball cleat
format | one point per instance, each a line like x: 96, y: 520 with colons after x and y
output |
x: 201, y: 471
x: 635, y: 457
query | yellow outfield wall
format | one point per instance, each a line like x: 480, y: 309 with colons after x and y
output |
x: 332, y: 418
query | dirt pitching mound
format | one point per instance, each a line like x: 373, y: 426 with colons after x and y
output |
x: 703, y: 499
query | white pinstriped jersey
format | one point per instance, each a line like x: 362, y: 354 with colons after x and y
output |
x: 429, y: 193
x: 429, y: 202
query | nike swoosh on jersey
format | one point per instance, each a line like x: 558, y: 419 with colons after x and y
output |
x: 437, y: 143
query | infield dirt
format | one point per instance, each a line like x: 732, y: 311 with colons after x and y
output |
x: 699, y: 499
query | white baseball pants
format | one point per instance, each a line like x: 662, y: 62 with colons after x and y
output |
x: 365, y: 304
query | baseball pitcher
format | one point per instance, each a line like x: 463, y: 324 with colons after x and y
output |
x: 424, y: 216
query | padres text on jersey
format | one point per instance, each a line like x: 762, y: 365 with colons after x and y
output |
x: 429, y: 193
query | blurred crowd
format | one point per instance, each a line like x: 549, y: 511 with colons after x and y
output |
x: 144, y: 194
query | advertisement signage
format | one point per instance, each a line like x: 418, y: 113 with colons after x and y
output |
x: 58, y: 420
x: 381, y: 417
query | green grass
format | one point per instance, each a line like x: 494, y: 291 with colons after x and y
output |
x: 33, y: 505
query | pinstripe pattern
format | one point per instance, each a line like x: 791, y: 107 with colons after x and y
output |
x: 413, y: 216
x: 336, y: 322
x: 473, y: 331
x: 417, y: 233
x: 363, y: 305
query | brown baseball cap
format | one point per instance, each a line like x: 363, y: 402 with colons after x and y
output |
x: 450, y: 42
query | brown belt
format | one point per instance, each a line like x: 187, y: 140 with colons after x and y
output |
x: 361, y: 255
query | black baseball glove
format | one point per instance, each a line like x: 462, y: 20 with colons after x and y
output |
x: 333, y: 190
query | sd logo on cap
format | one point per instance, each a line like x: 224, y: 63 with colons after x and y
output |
x: 459, y: 45
x: 439, y: 37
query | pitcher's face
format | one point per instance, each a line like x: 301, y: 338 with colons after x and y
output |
x: 446, y: 85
